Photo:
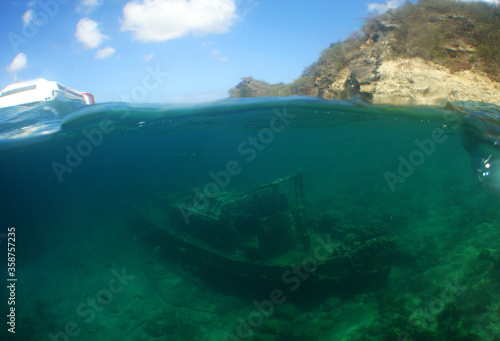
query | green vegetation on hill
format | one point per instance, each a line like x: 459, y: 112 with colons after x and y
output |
x: 458, y: 35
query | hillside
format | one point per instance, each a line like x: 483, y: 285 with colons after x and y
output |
x: 423, y: 54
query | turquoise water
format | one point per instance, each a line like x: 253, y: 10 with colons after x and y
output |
x: 89, y: 268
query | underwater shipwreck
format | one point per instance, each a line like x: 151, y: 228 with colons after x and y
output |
x: 269, y: 236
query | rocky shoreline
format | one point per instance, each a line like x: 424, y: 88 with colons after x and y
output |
x: 417, y: 82
x: 428, y: 53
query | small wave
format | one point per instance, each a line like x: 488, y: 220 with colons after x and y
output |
x: 28, y: 124
x: 31, y: 124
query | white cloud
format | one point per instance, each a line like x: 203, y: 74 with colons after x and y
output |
x: 148, y: 57
x: 87, y: 32
x: 382, y: 8
x: 88, y: 6
x: 490, y: 1
x: 18, y: 63
x: 28, y: 17
x: 161, y: 20
x: 105, y: 53
x: 215, y: 54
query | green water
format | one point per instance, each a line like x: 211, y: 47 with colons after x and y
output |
x: 88, y: 268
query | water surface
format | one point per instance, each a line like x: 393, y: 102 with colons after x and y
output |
x: 428, y: 174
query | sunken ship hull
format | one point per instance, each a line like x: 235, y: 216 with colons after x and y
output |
x: 268, y: 236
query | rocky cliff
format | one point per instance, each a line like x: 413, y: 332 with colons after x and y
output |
x: 420, y: 54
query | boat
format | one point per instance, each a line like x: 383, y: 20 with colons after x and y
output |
x: 37, y: 91
x: 269, y: 236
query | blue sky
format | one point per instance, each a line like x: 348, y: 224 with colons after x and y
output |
x: 170, y: 50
